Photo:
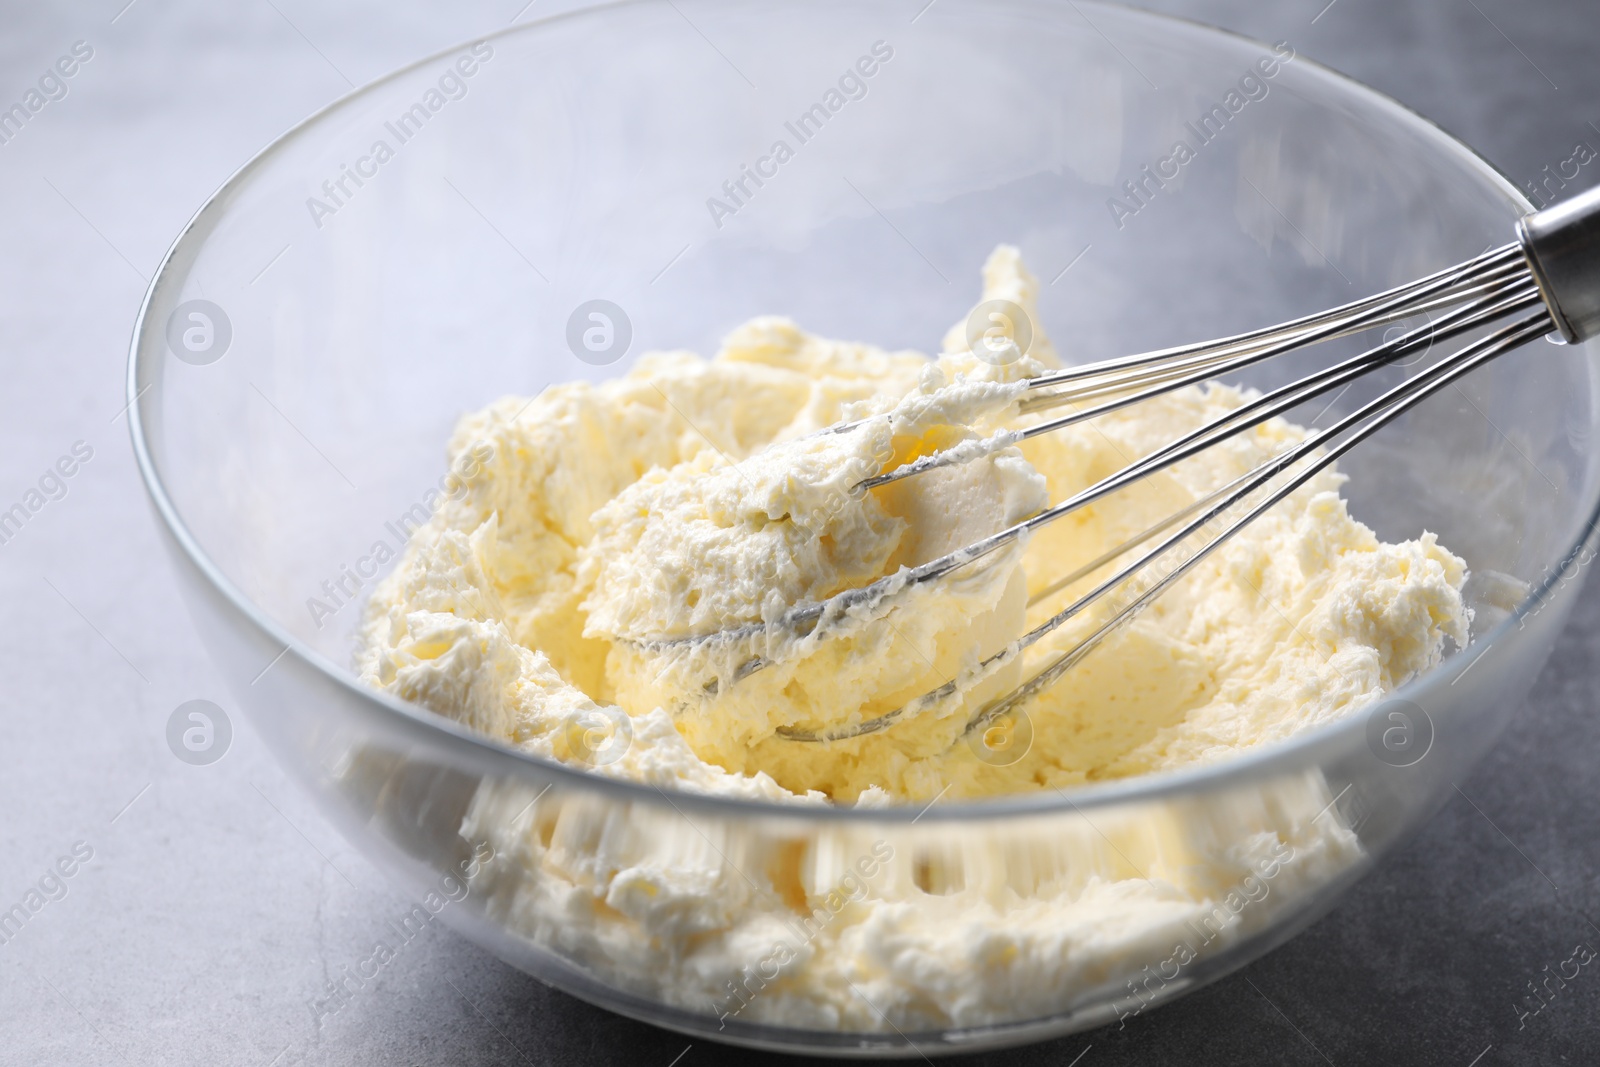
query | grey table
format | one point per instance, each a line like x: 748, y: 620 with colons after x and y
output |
x: 208, y: 906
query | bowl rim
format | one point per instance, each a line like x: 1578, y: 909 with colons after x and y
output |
x: 1288, y: 756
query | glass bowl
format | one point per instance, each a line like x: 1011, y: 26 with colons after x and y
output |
x: 418, y: 249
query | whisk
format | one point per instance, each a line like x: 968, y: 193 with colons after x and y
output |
x: 1547, y: 280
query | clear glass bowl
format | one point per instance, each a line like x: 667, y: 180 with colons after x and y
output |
x: 351, y: 323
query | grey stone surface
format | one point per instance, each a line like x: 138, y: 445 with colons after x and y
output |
x: 215, y: 902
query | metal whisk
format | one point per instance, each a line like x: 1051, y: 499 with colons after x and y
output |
x: 1547, y: 280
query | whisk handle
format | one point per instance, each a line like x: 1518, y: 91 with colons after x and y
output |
x: 1562, y: 243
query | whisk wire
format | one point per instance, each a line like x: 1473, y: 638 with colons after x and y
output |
x: 1495, y: 280
x: 1224, y: 359
x: 1376, y: 414
x: 1387, y: 408
x: 1227, y: 425
x: 1399, y: 297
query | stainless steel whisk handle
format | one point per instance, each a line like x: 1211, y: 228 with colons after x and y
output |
x: 1562, y: 243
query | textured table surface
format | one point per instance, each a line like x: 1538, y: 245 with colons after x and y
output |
x: 215, y: 902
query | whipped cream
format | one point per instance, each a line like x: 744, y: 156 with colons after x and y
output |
x: 632, y: 552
